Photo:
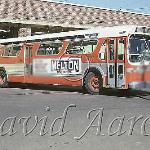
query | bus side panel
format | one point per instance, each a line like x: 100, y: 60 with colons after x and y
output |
x: 138, y: 77
x: 16, y: 79
x: 70, y: 81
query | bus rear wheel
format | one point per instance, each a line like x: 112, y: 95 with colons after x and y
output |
x: 3, y: 79
x: 93, y: 83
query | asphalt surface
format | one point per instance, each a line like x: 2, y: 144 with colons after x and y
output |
x: 67, y: 119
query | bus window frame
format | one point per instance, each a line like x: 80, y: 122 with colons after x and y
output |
x: 108, y: 49
x: 104, y: 40
x: 125, y: 49
x: 30, y: 46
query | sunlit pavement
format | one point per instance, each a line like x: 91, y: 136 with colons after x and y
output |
x: 117, y: 112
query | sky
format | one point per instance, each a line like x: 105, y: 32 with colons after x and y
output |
x: 141, y: 6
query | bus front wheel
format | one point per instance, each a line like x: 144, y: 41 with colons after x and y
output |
x: 93, y: 83
x: 3, y: 79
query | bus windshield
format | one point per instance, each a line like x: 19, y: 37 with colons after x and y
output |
x: 139, y: 48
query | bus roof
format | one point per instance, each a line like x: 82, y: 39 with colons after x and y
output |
x: 114, y: 31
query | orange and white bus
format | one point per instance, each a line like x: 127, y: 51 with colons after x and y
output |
x: 97, y: 58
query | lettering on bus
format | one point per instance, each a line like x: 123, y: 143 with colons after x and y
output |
x: 66, y: 66
x: 60, y: 66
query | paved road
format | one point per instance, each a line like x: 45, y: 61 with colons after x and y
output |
x: 72, y: 115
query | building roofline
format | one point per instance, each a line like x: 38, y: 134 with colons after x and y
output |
x: 95, y: 7
x: 66, y: 15
x: 34, y: 22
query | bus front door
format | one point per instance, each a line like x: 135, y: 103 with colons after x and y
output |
x: 115, y: 61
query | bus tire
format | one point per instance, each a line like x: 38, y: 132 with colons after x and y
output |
x: 93, y: 83
x: 3, y: 79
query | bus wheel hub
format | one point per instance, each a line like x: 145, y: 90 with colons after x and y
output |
x: 94, y: 83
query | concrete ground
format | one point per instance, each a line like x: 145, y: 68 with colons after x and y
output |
x: 44, y: 118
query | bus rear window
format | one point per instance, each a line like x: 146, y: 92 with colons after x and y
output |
x: 11, y: 50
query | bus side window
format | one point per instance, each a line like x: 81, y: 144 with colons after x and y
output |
x: 42, y: 49
x: 89, y: 46
x: 49, y: 48
x: 81, y: 47
x: 75, y: 47
x: 12, y: 50
x: 121, y: 48
x: 102, y: 52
